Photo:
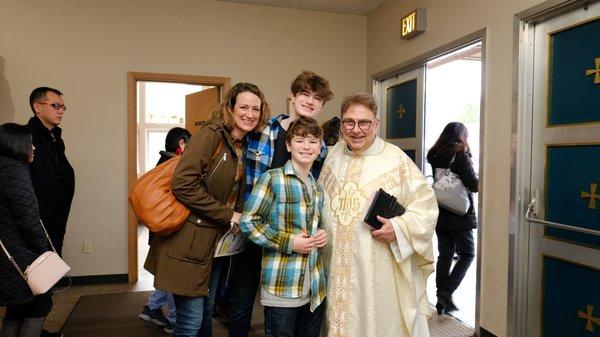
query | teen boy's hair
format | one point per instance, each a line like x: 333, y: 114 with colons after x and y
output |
x: 303, y: 127
x: 309, y: 81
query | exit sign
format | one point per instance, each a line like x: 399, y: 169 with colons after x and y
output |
x: 413, y: 24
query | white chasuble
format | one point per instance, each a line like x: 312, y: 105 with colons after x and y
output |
x: 374, y: 288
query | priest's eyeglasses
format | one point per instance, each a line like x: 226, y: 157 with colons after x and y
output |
x: 363, y: 124
x: 56, y: 106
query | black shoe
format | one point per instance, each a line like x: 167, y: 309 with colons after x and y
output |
x: 153, y: 316
x: 440, y: 308
x: 446, y: 300
x: 169, y: 328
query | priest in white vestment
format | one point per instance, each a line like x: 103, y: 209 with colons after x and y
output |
x: 377, y: 279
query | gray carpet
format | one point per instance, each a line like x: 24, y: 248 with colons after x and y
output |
x: 116, y: 314
x: 110, y: 315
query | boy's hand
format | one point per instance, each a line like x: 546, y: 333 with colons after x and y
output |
x: 303, y: 243
x: 320, y: 238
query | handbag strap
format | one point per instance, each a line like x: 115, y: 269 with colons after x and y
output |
x: 12, y: 260
x: 451, y: 162
x: 48, y: 236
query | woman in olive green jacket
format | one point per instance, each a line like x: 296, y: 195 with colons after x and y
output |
x: 208, y: 180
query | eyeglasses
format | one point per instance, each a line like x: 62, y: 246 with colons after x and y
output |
x: 56, y: 106
x: 363, y: 124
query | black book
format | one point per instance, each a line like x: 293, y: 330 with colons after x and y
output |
x: 384, y: 205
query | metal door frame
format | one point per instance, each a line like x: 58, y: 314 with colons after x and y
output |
x: 520, y: 231
x: 421, y: 61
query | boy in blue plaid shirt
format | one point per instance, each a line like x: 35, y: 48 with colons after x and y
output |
x: 282, y: 215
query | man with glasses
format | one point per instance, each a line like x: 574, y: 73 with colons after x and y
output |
x: 267, y: 150
x: 377, y: 277
x: 52, y: 175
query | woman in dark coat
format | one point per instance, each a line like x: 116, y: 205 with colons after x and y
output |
x: 454, y: 232
x: 21, y: 234
x: 208, y: 180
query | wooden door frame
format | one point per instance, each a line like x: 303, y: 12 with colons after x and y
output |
x: 224, y: 83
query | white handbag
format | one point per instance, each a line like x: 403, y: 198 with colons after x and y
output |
x: 43, y: 273
x: 450, y: 192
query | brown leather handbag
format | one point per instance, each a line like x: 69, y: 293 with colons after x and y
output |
x: 153, y: 201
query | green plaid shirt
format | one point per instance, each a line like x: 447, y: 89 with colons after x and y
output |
x: 278, y: 208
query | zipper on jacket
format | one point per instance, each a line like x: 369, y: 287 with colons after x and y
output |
x: 224, y: 158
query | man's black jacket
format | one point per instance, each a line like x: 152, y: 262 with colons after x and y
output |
x: 53, y: 179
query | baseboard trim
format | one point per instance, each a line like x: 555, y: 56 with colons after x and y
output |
x: 484, y: 333
x: 95, y: 280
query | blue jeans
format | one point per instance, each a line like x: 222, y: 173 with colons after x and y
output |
x: 194, y: 314
x: 189, y: 315
x: 159, y: 298
x: 247, y: 266
x: 209, y: 304
x: 294, y: 322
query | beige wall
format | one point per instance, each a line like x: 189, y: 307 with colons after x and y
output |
x: 448, y: 21
x: 85, y: 48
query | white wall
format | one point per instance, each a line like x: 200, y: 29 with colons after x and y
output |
x: 448, y: 21
x: 84, y: 48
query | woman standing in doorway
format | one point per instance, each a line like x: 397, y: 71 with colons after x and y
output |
x: 208, y: 180
x: 454, y: 232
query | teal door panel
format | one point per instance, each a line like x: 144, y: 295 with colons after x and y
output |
x: 574, y: 81
x: 401, y: 107
x: 573, y: 191
x: 571, y: 305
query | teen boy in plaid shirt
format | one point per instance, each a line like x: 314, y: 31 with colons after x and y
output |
x: 267, y: 150
x: 282, y: 215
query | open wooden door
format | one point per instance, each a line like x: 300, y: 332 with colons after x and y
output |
x: 198, y: 107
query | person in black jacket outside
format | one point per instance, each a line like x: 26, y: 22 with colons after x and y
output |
x: 21, y: 234
x: 52, y: 175
x: 174, y: 144
x: 454, y: 232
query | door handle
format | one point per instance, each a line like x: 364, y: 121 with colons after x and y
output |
x: 531, y: 217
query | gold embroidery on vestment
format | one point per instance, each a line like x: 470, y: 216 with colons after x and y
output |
x: 346, y: 206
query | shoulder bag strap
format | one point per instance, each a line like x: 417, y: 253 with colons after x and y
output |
x: 48, y: 236
x: 13, y: 261
x: 451, y: 162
